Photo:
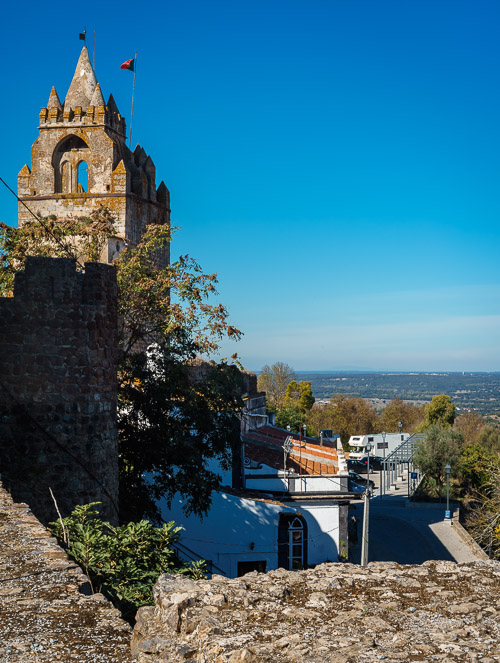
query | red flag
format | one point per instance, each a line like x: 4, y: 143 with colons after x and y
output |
x: 129, y: 64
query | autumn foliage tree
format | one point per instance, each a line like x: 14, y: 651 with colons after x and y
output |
x: 483, y: 516
x: 470, y: 425
x: 398, y: 411
x: 274, y: 381
x: 346, y: 416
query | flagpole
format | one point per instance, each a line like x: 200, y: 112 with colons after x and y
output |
x: 132, y: 111
x: 93, y: 55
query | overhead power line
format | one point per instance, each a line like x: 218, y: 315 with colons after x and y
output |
x: 43, y: 224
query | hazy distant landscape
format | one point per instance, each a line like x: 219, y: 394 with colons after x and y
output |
x: 477, y: 391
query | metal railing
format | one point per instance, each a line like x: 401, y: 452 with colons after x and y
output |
x: 189, y: 555
x: 394, y: 464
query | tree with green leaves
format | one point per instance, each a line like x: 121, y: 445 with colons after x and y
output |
x: 439, y: 447
x: 440, y: 411
x: 173, y: 418
x: 290, y: 415
x: 122, y: 562
x: 274, y: 381
x: 300, y: 394
x: 473, y: 469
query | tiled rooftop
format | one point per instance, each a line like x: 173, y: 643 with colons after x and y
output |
x: 265, y: 446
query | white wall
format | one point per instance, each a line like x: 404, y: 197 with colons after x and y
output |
x: 322, y: 531
x: 305, y: 483
x: 231, y: 525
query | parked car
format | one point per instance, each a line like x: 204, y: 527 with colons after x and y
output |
x: 355, y: 487
x: 361, y: 464
x: 357, y: 478
x: 377, y: 464
x: 358, y: 464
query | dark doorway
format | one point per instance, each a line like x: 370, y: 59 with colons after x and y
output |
x: 247, y: 567
x: 292, y: 542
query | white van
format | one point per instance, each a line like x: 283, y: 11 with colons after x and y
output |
x: 380, y: 447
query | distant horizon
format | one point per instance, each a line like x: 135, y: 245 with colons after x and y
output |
x: 472, y: 390
x: 402, y: 372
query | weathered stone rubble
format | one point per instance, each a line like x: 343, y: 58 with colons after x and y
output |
x: 44, y: 616
x: 340, y: 613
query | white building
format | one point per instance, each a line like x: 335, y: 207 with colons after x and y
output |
x: 245, y: 532
x: 291, y: 519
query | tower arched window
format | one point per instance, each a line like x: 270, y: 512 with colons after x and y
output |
x: 70, y: 161
x: 83, y: 177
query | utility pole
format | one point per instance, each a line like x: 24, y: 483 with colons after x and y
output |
x: 366, y: 513
x: 366, y: 519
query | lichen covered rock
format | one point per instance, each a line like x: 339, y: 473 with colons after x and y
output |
x: 335, y: 613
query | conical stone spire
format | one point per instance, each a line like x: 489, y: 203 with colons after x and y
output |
x: 97, y: 98
x: 83, y: 84
x: 54, y: 101
x: 112, y: 104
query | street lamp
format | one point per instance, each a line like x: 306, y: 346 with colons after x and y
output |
x: 368, y: 448
x: 383, y: 439
x: 447, y: 469
x: 287, y: 447
x: 304, y: 428
x: 366, y: 511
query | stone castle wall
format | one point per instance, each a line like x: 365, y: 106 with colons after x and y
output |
x: 58, y: 387
x: 335, y: 613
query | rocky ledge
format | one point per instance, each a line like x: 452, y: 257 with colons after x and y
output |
x: 340, y: 613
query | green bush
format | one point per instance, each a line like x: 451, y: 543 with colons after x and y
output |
x: 122, y: 562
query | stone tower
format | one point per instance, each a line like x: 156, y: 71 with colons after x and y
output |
x: 80, y: 161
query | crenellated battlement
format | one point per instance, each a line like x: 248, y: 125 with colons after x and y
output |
x: 97, y: 113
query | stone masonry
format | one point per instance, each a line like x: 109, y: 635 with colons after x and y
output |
x: 86, y: 134
x: 58, y: 387
x: 335, y: 613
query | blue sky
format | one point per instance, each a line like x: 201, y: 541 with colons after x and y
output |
x: 335, y: 162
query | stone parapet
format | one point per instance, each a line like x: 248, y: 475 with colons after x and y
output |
x: 335, y: 613
x: 47, y: 612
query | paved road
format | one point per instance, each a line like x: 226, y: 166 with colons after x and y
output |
x: 409, y: 535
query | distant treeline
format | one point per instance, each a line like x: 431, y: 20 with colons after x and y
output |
x: 477, y: 391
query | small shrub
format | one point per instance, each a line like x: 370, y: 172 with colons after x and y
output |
x: 122, y: 562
